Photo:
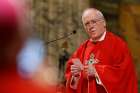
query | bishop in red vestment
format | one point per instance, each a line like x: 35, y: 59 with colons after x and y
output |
x: 103, y: 63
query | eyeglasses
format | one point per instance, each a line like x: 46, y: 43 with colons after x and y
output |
x: 94, y: 21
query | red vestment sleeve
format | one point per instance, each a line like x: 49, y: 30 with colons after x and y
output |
x: 77, y: 54
x: 119, y: 77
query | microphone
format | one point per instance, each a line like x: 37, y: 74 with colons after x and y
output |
x: 65, y: 36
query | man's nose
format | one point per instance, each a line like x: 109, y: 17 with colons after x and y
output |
x: 91, y: 25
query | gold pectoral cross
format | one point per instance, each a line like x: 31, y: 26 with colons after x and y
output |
x: 92, y: 59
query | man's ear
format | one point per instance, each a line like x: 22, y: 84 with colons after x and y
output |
x: 104, y: 22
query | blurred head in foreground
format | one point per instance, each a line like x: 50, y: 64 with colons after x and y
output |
x: 12, y: 36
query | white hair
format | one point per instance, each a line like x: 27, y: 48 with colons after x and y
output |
x: 97, y: 12
x: 100, y: 14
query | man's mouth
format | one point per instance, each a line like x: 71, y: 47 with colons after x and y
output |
x: 92, y: 30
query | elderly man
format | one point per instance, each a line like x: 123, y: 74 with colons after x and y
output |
x: 103, y: 63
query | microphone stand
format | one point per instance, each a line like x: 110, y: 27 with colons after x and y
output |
x: 65, y: 36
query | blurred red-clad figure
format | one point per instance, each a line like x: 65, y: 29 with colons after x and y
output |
x: 12, y: 38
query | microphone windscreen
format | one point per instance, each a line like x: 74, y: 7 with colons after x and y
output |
x: 74, y: 32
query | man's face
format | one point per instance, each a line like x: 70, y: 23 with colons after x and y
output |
x: 94, y: 25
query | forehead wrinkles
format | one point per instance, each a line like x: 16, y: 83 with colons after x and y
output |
x: 92, y: 13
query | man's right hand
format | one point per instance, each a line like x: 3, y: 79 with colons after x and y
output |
x: 76, y: 67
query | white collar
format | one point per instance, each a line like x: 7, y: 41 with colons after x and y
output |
x: 102, y: 37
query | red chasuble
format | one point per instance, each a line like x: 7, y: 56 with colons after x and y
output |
x: 11, y: 82
x: 115, y: 69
